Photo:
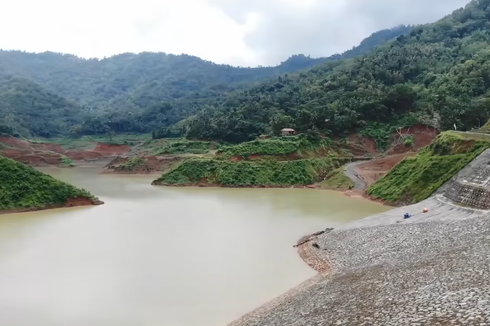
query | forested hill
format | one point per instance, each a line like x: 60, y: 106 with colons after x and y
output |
x: 96, y: 81
x: 438, y: 74
x: 27, y: 108
x: 131, y: 92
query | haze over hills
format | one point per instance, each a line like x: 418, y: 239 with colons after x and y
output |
x: 51, y: 94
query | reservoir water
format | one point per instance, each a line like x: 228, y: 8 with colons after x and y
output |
x: 158, y: 256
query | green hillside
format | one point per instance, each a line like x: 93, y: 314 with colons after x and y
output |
x: 28, y: 109
x: 416, y: 178
x: 248, y: 173
x: 438, y: 74
x: 23, y: 188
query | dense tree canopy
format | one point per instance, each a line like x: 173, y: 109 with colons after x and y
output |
x: 438, y: 74
x: 27, y: 108
x: 130, y: 92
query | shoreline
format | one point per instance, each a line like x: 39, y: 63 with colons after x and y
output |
x: 382, y: 268
x: 351, y: 193
x: 306, y: 252
x: 350, y: 267
x: 71, y: 202
x: 126, y: 173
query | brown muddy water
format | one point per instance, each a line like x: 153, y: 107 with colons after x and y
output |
x: 159, y: 256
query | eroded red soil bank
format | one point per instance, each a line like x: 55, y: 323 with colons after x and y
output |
x: 45, y: 154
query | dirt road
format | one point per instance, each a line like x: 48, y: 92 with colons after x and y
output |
x: 365, y: 173
x: 351, y: 172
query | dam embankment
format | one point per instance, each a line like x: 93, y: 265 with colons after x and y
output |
x: 430, y: 269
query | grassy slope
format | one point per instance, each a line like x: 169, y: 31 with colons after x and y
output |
x: 337, y: 180
x: 249, y: 173
x: 22, y: 187
x: 417, y: 178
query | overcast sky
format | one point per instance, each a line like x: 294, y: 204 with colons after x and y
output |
x: 237, y: 32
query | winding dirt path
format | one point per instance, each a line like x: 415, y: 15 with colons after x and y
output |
x: 365, y: 173
x: 351, y: 172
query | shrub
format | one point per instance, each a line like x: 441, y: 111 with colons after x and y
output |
x: 409, y: 141
x: 66, y: 161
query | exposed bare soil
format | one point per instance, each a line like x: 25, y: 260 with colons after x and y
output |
x: 374, y: 170
x: 112, y: 149
x: 45, y: 154
x: 361, y: 146
x: 422, y: 135
x: 16, y: 143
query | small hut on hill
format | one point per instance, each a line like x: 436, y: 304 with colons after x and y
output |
x: 288, y: 132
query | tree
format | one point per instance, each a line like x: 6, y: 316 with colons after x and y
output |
x: 280, y: 121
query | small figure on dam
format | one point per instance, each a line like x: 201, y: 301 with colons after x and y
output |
x: 407, y: 216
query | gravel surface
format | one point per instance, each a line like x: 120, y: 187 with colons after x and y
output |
x: 433, y: 273
x: 440, y: 209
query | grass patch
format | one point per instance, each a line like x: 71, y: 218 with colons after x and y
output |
x: 182, y: 147
x: 408, y: 141
x: 337, y: 180
x: 23, y: 187
x: 417, y: 178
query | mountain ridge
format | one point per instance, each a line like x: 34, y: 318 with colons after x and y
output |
x: 143, y: 92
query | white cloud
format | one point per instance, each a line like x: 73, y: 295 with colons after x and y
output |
x: 324, y: 27
x: 92, y: 28
x: 239, y: 32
